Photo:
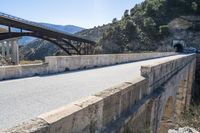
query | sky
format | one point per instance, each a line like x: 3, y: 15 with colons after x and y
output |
x: 83, y: 13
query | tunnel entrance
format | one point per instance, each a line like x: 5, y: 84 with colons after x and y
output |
x: 178, y: 47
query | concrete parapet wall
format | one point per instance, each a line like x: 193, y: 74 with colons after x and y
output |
x: 91, y: 114
x: 63, y: 63
x: 158, y: 73
x: 33, y: 126
x: 20, y: 71
x: 95, y: 113
x: 123, y: 108
x: 56, y: 64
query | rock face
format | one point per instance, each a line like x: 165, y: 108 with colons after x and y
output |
x: 187, y: 29
x: 183, y: 130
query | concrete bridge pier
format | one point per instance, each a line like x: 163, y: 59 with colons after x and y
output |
x: 10, y: 50
x: 2, y: 49
x: 7, y: 48
x: 15, y: 52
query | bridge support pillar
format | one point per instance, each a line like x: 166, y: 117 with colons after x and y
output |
x: 7, y: 47
x: 15, y: 52
x: 10, y: 50
x: 2, y: 49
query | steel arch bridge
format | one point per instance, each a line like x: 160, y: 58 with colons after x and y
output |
x: 71, y: 44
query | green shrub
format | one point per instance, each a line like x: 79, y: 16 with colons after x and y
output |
x: 149, y: 22
x: 194, y: 6
x: 126, y: 13
x: 164, y: 29
x: 114, y: 21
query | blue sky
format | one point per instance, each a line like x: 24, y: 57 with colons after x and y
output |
x: 84, y: 13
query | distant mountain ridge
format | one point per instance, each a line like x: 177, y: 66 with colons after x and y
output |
x: 71, y: 29
x: 65, y: 28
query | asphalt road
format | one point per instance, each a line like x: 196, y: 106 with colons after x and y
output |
x: 23, y: 99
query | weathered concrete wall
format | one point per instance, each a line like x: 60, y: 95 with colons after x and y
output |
x: 196, y: 90
x: 159, y: 73
x: 65, y: 63
x: 163, y: 90
x: 20, y: 71
x: 174, y: 97
x: 169, y: 80
x: 92, y: 114
x: 148, y: 104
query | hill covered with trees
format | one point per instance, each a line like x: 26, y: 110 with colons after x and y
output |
x: 145, y: 26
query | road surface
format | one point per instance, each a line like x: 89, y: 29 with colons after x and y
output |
x: 24, y: 99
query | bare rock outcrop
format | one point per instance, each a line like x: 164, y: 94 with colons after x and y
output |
x: 183, y: 130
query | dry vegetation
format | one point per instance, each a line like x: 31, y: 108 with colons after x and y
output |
x: 23, y: 62
x: 191, y: 117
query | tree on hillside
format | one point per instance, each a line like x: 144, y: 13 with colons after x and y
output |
x: 133, y: 10
x: 131, y: 30
x: 114, y: 20
x: 146, y: 24
x: 126, y: 13
x: 149, y: 22
x: 194, y: 6
x: 153, y: 6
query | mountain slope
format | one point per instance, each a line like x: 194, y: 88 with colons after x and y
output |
x: 66, y: 28
x: 37, y: 50
x: 145, y: 27
x: 95, y: 33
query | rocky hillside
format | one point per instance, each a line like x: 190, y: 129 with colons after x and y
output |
x: 146, y: 26
x: 95, y: 33
x: 37, y: 50
x: 65, y: 28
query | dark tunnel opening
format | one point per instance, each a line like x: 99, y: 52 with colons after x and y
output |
x: 178, y: 47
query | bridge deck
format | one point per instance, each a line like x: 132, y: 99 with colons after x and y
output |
x: 23, y: 99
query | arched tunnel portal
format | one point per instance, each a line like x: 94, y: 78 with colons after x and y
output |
x: 178, y: 47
